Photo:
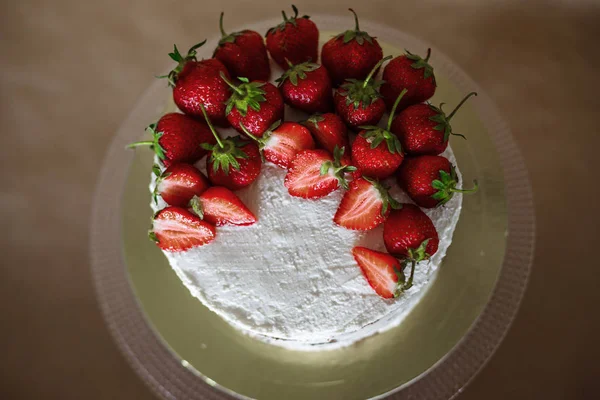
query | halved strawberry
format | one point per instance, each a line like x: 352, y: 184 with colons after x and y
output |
x: 365, y: 205
x: 282, y: 141
x: 383, y: 272
x: 314, y: 174
x: 179, y: 183
x: 177, y: 229
x: 220, y: 206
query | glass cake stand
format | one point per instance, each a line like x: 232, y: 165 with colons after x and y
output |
x: 184, y: 351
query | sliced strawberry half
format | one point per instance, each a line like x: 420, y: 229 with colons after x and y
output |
x: 179, y: 183
x: 177, y: 229
x: 282, y: 141
x: 220, y: 206
x: 381, y: 270
x: 365, y: 205
x: 314, y: 174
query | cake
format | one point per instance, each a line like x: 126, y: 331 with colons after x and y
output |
x: 289, y: 277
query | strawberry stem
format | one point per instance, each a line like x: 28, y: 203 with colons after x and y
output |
x: 285, y: 18
x: 210, y: 125
x: 375, y: 68
x: 223, y: 33
x: 231, y: 85
x: 466, y: 191
x: 138, y: 144
x: 357, y: 29
x: 460, y: 104
x: 428, y: 55
x: 391, y: 117
x: 251, y: 136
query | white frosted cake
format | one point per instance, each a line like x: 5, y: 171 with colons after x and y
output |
x: 290, y: 279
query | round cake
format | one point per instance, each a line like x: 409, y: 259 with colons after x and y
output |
x: 291, y: 276
x: 290, y: 279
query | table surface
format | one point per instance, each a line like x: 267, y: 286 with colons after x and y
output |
x: 71, y: 71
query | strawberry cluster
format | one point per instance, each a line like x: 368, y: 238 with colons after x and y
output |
x: 342, y: 97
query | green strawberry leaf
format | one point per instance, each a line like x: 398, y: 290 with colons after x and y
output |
x: 376, y: 136
x: 181, y: 62
x: 196, y: 206
x: 292, y: 20
x: 420, y: 63
x: 247, y: 94
x: 364, y: 92
x: 356, y: 34
x: 152, y: 236
x: 227, y: 156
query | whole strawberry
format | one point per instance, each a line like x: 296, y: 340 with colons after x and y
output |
x: 315, y: 173
x: 295, y: 39
x: 409, y: 234
x: 377, y: 152
x: 282, y: 141
x: 410, y: 72
x: 178, y: 184
x: 365, y: 205
x: 244, y: 54
x: 233, y: 162
x: 430, y: 181
x: 358, y: 102
x: 424, y: 128
x: 177, y: 138
x: 177, y: 229
x: 350, y: 55
x: 257, y: 105
x: 306, y: 87
x: 328, y: 130
x: 198, y: 83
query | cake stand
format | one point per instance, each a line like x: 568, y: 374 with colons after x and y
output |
x: 184, y: 351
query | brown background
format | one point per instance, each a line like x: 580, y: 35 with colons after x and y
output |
x: 71, y: 71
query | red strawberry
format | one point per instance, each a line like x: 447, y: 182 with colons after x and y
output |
x: 178, y: 138
x: 199, y: 82
x: 429, y: 180
x: 328, y: 130
x: 282, y: 141
x: 179, y: 183
x: 295, y: 39
x: 376, y: 152
x: 177, y: 229
x: 381, y: 270
x: 220, y: 206
x: 314, y: 174
x: 409, y: 234
x: 244, y: 54
x: 233, y: 162
x: 358, y: 102
x: 425, y: 129
x: 306, y: 87
x: 410, y: 72
x: 365, y: 205
x: 350, y: 55
x: 257, y: 105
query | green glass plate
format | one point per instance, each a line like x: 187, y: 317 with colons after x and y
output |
x: 185, y: 351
